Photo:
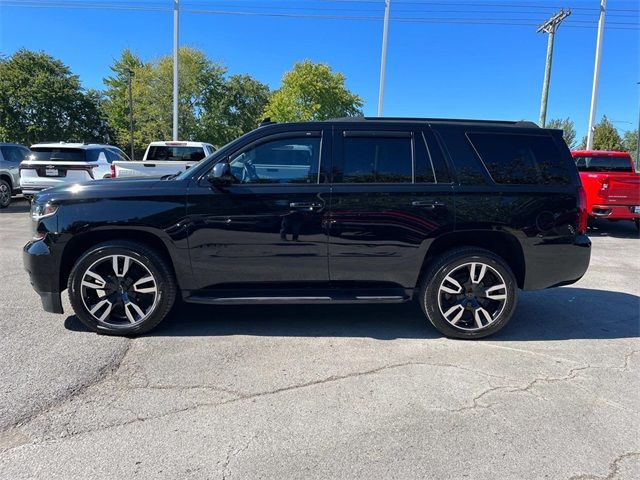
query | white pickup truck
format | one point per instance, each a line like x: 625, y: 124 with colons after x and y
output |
x: 163, y: 158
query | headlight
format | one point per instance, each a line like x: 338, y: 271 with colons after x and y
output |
x: 39, y: 210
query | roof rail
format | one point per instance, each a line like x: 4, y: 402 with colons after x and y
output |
x: 515, y: 123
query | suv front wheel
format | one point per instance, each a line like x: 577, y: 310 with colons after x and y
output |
x: 121, y: 288
x: 468, y: 293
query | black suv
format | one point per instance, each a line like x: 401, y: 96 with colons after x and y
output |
x: 457, y: 214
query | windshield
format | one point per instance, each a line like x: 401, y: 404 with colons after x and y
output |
x: 188, y: 154
x: 603, y: 164
x: 215, y: 157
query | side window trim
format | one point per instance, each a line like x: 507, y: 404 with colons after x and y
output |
x: 433, y: 170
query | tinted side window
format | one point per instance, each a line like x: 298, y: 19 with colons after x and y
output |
x: 377, y: 159
x: 284, y: 160
x: 13, y: 154
x: 521, y: 159
x: 111, y: 155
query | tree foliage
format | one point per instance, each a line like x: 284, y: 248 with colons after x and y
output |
x: 630, y: 144
x: 312, y: 91
x: 605, y: 136
x: 568, y: 130
x: 40, y: 100
x: 211, y: 107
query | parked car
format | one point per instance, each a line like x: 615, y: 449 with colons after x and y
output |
x: 456, y: 214
x: 53, y: 164
x: 164, y: 158
x: 11, y: 154
x: 611, y: 184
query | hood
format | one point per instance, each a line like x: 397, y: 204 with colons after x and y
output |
x: 102, y: 188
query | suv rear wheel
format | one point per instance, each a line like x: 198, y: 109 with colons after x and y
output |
x: 121, y: 288
x: 468, y: 293
x: 5, y: 193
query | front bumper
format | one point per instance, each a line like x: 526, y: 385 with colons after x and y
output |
x: 43, y: 267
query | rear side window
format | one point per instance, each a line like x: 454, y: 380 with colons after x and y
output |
x: 603, y: 164
x: 377, y: 159
x: 189, y: 154
x: 53, y: 154
x: 520, y: 159
x: 14, y: 154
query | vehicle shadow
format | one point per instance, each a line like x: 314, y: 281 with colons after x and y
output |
x: 17, y: 205
x: 556, y: 314
x: 607, y: 228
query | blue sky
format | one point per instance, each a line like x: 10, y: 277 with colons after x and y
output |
x: 434, y: 69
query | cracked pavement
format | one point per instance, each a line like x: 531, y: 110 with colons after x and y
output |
x: 327, y: 392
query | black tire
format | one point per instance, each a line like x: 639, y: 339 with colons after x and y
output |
x: 5, y: 193
x: 637, y: 222
x: 434, y: 301
x: 145, y: 260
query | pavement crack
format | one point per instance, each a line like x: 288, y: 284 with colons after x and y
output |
x: 109, y: 369
x: 232, y: 454
x: 614, y: 469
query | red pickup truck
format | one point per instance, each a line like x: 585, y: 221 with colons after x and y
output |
x: 611, y: 184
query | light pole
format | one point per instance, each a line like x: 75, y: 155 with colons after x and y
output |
x: 596, y: 76
x: 383, y: 59
x: 176, y: 21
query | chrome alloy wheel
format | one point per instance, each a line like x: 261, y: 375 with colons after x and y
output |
x: 118, y: 290
x: 472, y: 296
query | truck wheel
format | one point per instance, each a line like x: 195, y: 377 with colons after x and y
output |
x: 637, y: 222
x: 468, y: 293
x: 5, y: 194
x: 121, y: 288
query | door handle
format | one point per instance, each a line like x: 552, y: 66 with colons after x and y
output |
x: 309, y: 205
x: 427, y: 203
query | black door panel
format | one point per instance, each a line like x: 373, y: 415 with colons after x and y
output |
x: 383, y: 221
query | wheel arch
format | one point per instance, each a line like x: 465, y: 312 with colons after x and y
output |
x: 80, y: 243
x: 7, y: 178
x: 503, y: 244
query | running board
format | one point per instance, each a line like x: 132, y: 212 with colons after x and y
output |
x: 292, y: 300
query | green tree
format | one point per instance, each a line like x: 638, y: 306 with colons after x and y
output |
x: 40, y: 100
x: 312, y: 91
x: 630, y: 144
x: 605, y: 136
x: 212, y: 107
x: 116, y: 100
x: 568, y: 130
x: 236, y: 109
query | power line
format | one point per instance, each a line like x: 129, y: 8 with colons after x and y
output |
x: 155, y: 7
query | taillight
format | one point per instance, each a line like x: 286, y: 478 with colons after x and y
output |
x: 112, y: 167
x: 583, y: 216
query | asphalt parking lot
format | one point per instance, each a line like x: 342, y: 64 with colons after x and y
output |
x: 369, y: 392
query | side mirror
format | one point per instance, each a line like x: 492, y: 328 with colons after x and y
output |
x: 221, y: 176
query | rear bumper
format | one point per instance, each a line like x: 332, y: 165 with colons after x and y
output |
x: 43, y: 269
x: 614, y: 212
x: 555, y: 264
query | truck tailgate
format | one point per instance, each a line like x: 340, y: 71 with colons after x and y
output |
x: 624, y: 189
x: 150, y: 168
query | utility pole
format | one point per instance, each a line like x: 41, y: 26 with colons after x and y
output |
x: 176, y: 21
x: 383, y: 59
x: 596, y: 76
x: 549, y: 27
x: 131, y: 112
